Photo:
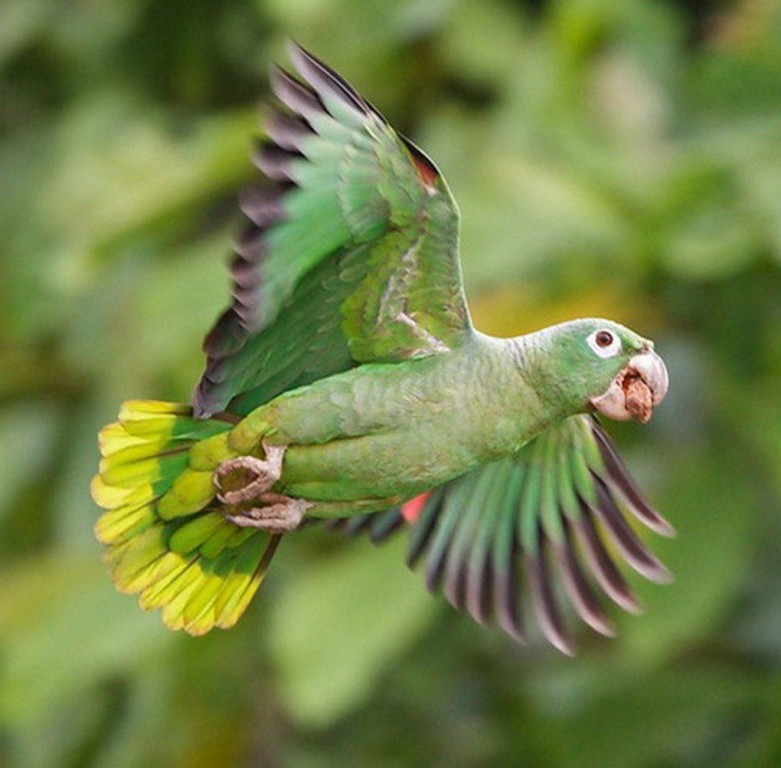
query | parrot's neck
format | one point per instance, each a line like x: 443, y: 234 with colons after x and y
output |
x: 511, y: 377
x: 543, y: 390
x: 533, y: 351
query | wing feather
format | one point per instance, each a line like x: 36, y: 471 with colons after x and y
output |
x: 355, y: 234
x: 553, y: 520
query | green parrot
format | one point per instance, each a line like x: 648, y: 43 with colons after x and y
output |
x: 346, y: 382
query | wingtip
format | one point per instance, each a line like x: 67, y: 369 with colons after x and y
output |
x: 275, y: 74
x: 648, y: 516
x: 659, y: 573
x: 579, y: 591
x: 606, y: 628
x: 297, y: 54
x: 619, y: 476
x: 564, y: 646
x: 664, y: 528
x: 631, y: 604
x: 513, y: 631
x: 329, y: 86
x: 558, y: 638
x: 294, y: 49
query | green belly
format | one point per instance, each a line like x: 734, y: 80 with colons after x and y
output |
x: 376, y: 470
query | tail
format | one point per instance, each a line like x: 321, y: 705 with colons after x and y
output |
x: 166, y: 539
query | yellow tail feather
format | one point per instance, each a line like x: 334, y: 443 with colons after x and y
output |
x: 166, y: 539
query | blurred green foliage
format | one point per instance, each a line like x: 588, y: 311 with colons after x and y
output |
x: 610, y: 158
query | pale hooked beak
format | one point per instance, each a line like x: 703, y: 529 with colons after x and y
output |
x: 636, y: 390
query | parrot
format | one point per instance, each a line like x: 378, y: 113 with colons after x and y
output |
x: 346, y: 384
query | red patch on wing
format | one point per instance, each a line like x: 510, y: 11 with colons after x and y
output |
x: 425, y: 171
x: 411, y: 509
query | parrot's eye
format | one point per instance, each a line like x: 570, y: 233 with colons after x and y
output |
x: 604, y: 343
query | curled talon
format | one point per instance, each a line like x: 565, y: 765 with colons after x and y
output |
x: 279, y: 514
x: 233, y: 471
x: 245, y: 478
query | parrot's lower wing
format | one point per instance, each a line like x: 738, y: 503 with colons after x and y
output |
x: 558, y: 508
x: 354, y: 240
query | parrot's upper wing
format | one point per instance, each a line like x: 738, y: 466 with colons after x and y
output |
x: 353, y: 250
x: 551, y: 509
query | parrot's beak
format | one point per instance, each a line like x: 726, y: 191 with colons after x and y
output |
x: 636, y: 390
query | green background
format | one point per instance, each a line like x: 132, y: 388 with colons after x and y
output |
x: 610, y: 158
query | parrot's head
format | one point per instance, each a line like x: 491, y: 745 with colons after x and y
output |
x: 599, y: 365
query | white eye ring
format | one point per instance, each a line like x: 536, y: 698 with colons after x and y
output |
x: 604, y: 343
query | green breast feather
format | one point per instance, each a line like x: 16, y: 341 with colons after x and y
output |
x: 346, y: 382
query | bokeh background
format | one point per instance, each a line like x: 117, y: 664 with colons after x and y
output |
x: 610, y: 158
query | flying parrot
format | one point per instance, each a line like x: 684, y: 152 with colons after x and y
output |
x: 346, y: 382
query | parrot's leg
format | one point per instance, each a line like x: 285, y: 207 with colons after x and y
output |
x: 243, y: 485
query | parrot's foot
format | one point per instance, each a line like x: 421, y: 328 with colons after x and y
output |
x: 279, y: 514
x: 245, y: 478
x: 244, y: 486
